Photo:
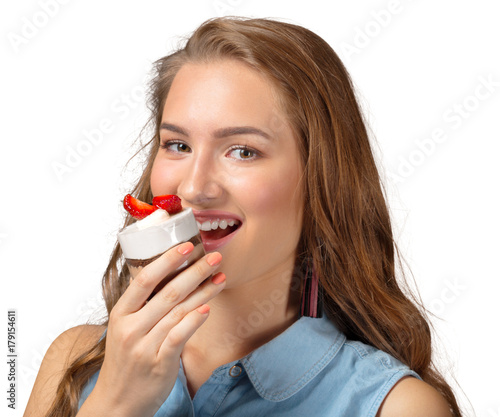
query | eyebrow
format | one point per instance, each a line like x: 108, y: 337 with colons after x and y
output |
x: 220, y: 133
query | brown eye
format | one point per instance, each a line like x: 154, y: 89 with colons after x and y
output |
x: 176, y: 147
x: 246, y: 153
x: 182, y: 147
x: 243, y: 153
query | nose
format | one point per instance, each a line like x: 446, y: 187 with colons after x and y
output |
x: 201, y: 185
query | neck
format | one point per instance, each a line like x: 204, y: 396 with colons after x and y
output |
x: 245, y: 317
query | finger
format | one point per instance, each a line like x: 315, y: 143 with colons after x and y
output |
x: 180, y: 287
x: 180, y: 334
x: 199, y: 297
x: 143, y: 285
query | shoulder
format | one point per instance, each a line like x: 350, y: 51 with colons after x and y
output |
x: 76, y: 340
x: 399, y: 391
x: 374, y: 364
x: 64, y: 349
x: 411, y: 397
x: 69, y: 345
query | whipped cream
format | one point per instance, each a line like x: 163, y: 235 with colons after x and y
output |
x: 156, y: 233
x: 154, y: 219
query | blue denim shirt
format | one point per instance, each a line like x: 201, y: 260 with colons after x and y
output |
x: 308, y: 370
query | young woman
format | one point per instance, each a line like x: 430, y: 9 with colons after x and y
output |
x: 256, y: 121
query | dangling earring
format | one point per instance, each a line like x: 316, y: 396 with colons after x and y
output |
x: 312, y: 293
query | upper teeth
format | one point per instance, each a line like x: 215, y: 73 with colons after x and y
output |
x: 214, y: 224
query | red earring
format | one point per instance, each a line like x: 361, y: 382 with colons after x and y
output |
x: 312, y: 305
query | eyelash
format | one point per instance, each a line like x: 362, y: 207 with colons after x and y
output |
x: 169, y: 143
x: 256, y: 154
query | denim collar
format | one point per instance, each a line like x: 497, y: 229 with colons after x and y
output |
x: 283, y: 366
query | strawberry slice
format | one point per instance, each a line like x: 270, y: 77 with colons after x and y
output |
x: 137, y: 208
x: 169, y: 202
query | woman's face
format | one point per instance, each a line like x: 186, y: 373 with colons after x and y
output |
x: 229, y: 153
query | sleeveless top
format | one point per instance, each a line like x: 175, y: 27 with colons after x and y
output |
x: 309, y: 369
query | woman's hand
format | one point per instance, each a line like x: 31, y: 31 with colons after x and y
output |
x: 145, y: 339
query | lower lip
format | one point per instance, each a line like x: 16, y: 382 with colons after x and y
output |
x: 211, y: 245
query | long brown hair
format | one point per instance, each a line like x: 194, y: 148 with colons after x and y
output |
x: 347, y: 228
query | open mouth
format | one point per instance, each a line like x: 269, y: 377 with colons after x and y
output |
x: 216, y: 232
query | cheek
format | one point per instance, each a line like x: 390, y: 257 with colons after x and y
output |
x: 274, y: 214
x: 276, y: 197
x: 156, y: 179
x: 162, y: 180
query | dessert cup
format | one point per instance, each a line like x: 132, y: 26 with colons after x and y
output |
x: 146, y: 240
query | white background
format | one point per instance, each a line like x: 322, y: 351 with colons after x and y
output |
x: 415, y: 63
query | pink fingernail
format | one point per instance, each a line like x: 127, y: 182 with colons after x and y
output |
x: 218, y: 278
x: 185, y: 248
x: 214, y: 258
x: 204, y: 309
